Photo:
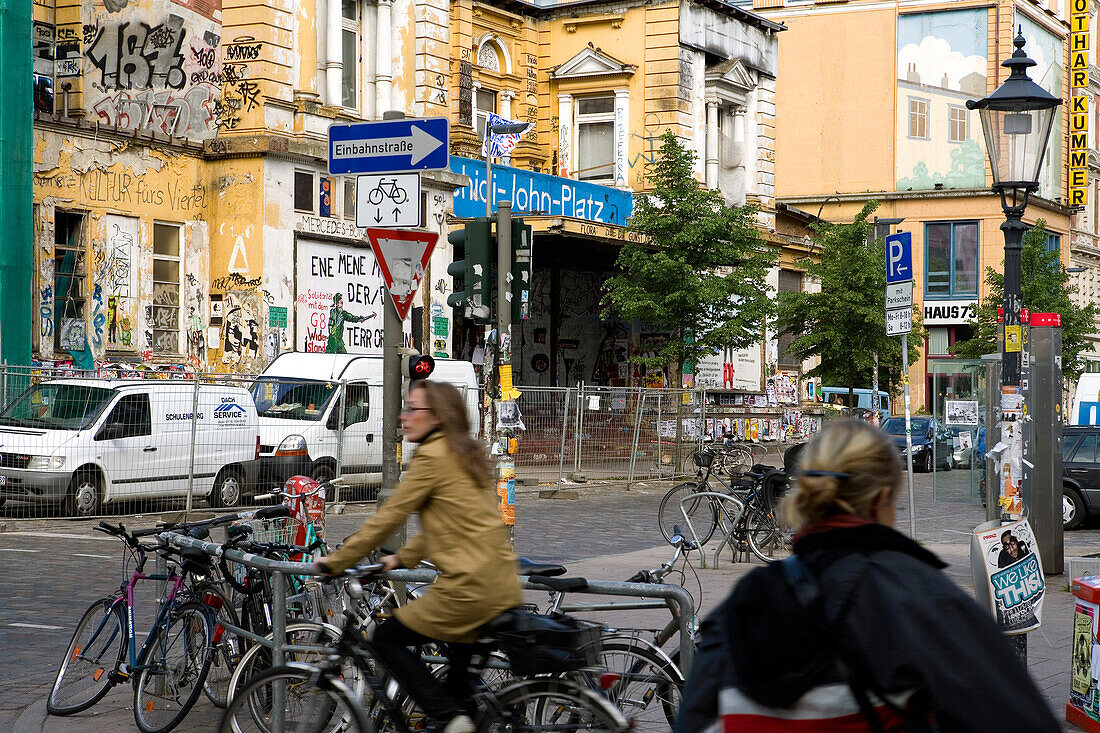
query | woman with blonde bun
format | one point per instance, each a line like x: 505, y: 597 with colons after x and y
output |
x: 859, y: 630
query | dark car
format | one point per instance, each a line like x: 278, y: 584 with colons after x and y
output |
x: 932, y: 443
x: 1080, y: 474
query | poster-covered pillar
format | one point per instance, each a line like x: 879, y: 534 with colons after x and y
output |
x: 1042, y: 471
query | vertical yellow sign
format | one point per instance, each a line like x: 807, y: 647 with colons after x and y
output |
x: 1079, y: 103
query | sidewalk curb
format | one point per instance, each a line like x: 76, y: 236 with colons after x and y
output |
x: 32, y: 719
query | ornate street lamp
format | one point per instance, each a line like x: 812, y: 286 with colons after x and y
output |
x: 1016, y: 119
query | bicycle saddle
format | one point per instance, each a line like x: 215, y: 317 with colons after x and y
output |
x: 561, y: 585
x: 530, y: 567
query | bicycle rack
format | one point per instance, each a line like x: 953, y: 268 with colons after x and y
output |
x: 672, y: 596
x: 729, y: 537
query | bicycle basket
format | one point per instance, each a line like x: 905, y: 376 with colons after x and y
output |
x: 703, y: 458
x: 548, y: 644
x: 281, y: 529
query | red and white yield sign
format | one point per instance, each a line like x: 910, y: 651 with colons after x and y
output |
x: 402, y: 256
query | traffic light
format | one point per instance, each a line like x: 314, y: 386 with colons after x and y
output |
x: 416, y: 366
x: 475, y: 269
x: 521, y: 269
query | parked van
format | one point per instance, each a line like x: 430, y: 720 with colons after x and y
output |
x: 298, y: 400
x: 82, y: 443
x: 1086, y: 401
x: 839, y: 396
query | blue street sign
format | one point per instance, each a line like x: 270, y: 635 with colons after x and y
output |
x: 390, y: 146
x: 899, y: 257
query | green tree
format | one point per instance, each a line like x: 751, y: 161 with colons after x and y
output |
x: 1045, y: 289
x: 844, y: 324
x: 700, y: 272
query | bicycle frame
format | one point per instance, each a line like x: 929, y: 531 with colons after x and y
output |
x: 177, y: 583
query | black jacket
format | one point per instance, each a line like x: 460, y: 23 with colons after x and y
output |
x: 891, y: 607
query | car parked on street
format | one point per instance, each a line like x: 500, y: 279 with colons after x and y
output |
x: 932, y: 443
x: 1080, y: 474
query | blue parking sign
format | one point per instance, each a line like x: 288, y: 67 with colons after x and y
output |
x: 899, y: 257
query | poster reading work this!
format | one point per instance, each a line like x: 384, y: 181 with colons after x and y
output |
x: 341, y: 294
x: 1015, y: 576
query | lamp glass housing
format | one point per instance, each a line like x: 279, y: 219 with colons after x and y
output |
x: 1016, y: 140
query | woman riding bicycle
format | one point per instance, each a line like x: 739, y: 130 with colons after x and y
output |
x: 448, y: 482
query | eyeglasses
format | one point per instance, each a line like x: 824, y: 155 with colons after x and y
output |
x: 407, y: 409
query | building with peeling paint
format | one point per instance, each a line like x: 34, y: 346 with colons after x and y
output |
x: 184, y: 213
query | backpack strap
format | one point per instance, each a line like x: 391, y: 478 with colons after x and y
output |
x: 808, y: 594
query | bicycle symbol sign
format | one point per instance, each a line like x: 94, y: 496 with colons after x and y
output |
x: 391, y: 200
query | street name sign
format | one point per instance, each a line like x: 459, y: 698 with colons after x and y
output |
x: 899, y: 295
x: 899, y: 321
x: 387, y: 200
x: 899, y: 257
x: 389, y: 146
x: 403, y: 258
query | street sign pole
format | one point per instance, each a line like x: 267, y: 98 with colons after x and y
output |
x: 899, y: 322
x: 506, y: 467
x: 908, y: 434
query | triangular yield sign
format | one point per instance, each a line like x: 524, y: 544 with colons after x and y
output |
x: 402, y: 256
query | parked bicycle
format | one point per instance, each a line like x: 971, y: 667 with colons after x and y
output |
x: 744, y: 509
x: 169, y: 669
x: 315, y: 697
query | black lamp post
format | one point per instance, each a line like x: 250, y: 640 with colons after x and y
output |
x: 1016, y: 119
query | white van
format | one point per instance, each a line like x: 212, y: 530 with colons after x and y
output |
x: 82, y: 443
x: 1086, y: 400
x: 298, y: 401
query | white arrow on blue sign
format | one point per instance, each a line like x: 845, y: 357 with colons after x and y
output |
x: 899, y: 257
x: 389, y: 146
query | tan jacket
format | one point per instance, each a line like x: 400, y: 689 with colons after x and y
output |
x: 462, y: 534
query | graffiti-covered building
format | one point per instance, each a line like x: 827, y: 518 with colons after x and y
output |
x: 185, y: 214
x: 886, y: 119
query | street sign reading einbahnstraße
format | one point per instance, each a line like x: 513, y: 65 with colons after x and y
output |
x: 389, y: 146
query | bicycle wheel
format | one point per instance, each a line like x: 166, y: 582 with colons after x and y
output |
x: 768, y: 539
x: 314, y: 702
x: 258, y: 657
x: 173, y: 669
x: 93, y: 655
x: 227, y: 651
x: 649, y: 686
x: 702, y: 512
x: 550, y: 704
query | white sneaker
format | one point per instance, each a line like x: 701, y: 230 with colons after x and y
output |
x: 460, y: 724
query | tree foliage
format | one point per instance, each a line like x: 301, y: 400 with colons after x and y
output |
x: 844, y: 324
x: 1045, y: 289
x: 701, y: 271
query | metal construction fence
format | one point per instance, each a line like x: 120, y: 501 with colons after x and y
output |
x: 85, y: 444
x: 619, y: 434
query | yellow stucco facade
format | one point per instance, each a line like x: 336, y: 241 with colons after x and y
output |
x: 885, y: 119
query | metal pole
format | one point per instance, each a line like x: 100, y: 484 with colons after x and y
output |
x: 341, y: 412
x: 392, y: 338
x: 488, y: 180
x: 506, y: 466
x: 639, y: 404
x: 578, y: 427
x: 278, y: 639
x: 391, y: 410
x: 908, y: 435
x: 191, y: 460
x: 564, y: 427
x: 1014, y: 229
x: 876, y: 418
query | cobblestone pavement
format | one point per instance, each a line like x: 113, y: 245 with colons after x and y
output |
x: 50, y: 570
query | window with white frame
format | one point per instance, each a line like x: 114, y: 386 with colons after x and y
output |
x: 918, y: 118
x: 486, y: 102
x: 957, y: 124
x: 349, y: 40
x: 595, y: 120
x: 166, y: 288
